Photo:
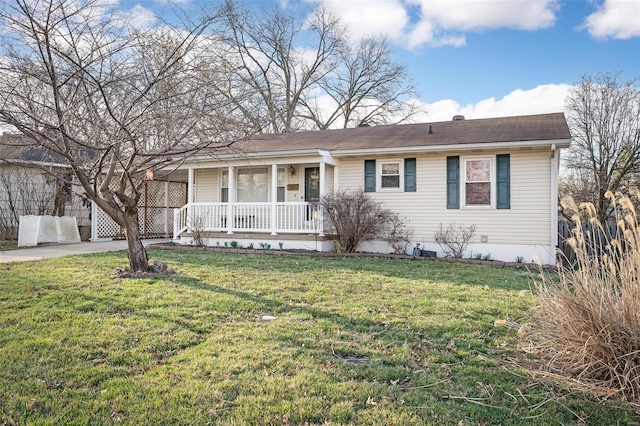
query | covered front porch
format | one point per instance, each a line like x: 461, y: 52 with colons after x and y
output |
x: 244, y: 196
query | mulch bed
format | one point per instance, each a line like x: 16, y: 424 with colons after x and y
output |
x: 311, y: 253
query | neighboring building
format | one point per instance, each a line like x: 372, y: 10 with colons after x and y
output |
x: 499, y: 174
x: 35, y: 181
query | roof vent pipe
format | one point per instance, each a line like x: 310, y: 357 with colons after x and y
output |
x: 430, y: 130
x: 458, y: 117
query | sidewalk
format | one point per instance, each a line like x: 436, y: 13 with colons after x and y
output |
x: 58, y: 250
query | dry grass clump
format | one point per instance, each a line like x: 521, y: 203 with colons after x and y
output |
x: 587, y: 325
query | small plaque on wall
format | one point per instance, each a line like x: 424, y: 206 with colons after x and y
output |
x: 293, y: 187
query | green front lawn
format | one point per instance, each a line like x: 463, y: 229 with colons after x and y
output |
x: 355, y: 341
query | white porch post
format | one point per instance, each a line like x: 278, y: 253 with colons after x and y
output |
x: 323, y: 193
x: 190, y: 184
x: 232, y: 199
x: 274, y: 198
x: 94, y: 221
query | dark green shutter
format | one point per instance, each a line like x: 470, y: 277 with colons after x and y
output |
x: 369, y: 175
x: 453, y: 182
x: 503, y: 183
x: 410, y: 175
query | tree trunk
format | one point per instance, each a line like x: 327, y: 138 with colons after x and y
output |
x: 138, y: 259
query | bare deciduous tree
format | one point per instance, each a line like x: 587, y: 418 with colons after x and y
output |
x: 367, y: 87
x: 304, y: 73
x: 604, y: 118
x: 114, y: 100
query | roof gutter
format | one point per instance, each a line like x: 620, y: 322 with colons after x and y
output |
x: 37, y: 164
x: 325, y: 154
x: 560, y: 143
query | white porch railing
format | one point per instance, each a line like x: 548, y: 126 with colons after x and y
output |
x: 275, y: 218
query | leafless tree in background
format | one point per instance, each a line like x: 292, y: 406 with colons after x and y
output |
x: 114, y: 100
x: 303, y: 73
x: 604, y: 118
x: 22, y: 193
x: 367, y: 87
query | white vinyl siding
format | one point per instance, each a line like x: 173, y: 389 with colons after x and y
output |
x: 206, y: 186
x: 528, y: 221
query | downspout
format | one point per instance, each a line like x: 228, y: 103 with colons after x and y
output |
x: 555, y: 157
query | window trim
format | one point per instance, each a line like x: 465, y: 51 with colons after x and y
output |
x: 225, y: 171
x: 282, y: 169
x: 222, y: 187
x: 379, y: 163
x: 492, y: 182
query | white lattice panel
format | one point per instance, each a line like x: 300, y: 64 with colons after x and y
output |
x: 156, y: 223
x: 155, y: 217
x: 155, y: 196
x: 107, y: 227
x: 177, y: 194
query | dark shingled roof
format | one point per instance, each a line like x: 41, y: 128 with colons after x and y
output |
x: 506, y: 129
x: 20, y: 148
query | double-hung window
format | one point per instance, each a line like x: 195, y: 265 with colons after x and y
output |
x: 224, y: 186
x: 477, y: 182
x: 390, y: 175
x: 280, y: 196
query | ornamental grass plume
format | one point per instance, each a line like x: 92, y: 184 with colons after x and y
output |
x: 586, y: 326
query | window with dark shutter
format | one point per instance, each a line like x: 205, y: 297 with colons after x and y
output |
x: 453, y: 182
x: 369, y: 175
x: 409, y: 174
x: 503, y: 181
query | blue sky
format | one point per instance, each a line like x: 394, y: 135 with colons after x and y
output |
x: 486, y: 58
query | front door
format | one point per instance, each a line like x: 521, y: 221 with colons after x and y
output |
x: 312, y: 184
x: 311, y: 190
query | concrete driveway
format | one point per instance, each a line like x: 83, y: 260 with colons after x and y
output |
x: 58, y: 250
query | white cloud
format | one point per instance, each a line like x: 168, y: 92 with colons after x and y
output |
x: 471, y: 15
x: 141, y: 17
x: 414, y: 23
x: 174, y: 1
x: 365, y: 18
x: 619, y: 19
x: 539, y: 100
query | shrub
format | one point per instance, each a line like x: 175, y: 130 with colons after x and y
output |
x: 587, y: 324
x: 354, y: 216
x: 398, y: 234
x: 454, y: 239
x: 197, y: 231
